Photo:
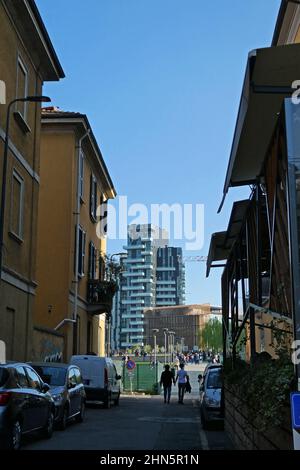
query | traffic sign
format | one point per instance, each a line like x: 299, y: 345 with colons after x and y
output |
x: 295, y: 408
x: 130, y: 365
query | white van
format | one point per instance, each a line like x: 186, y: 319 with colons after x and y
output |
x: 100, y: 378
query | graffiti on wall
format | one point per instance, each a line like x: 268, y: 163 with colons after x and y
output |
x: 48, y: 347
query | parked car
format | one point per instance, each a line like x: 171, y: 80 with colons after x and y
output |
x: 100, y: 378
x: 211, y: 394
x: 66, y: 389
x: 25, y: 405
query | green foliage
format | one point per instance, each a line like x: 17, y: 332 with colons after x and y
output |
x: 211, y: 335
x: 147, y: 348
x: 263, y: 388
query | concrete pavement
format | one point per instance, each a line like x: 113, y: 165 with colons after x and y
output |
x: 139, y: 423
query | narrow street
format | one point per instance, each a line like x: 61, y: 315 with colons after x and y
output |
x: 140, y: 423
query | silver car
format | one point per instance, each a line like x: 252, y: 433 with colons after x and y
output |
x: 211, y: 394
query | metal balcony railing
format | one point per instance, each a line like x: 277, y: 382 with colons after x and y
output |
x: 100, y: 296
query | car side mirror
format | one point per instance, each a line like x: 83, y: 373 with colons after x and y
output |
x: 45, y: 388
x: 118, y: 377
x: 199, y: 377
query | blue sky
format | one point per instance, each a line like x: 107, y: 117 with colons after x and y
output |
x: 160, y: 81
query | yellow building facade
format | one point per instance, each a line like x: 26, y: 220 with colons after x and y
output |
x: 27, y: 60
x: 74, y: 184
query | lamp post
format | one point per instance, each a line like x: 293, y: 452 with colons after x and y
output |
x: 110, y: 324
x: 155, y: 330
x: 171, y: 344
x: 31, y: 99
x: 166, y: 335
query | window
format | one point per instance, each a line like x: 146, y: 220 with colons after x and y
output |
x: 21, y: 377
x: 92, y: 261
x: 17, y: 205
x: 81, y: 175
x: 93, y: 198
x: 34, y: 381
x: 103, y: 216
x: 22, y: 87
x: 54, y: 376
x: 81, y: 251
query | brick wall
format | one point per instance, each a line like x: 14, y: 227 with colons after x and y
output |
x: 247, y: 437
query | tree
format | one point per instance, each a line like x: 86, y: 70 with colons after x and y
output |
x: 211, y: 335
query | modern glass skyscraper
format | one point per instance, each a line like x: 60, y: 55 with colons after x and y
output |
x: 170, y: 277
x: 153, y: 276
x: 138, y: 284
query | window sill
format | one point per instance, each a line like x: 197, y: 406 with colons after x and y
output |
x: 16, y: 237
x: 21, y: 122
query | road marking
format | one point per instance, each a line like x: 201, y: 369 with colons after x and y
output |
x: 170, y: 420
x: 202, y: 434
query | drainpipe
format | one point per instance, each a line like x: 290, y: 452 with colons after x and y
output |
x: 77, y: 218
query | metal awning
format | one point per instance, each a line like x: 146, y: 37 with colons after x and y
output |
x: 222, y: 242
x: 236, y: 222
x: 270, y: 73
x: 217, y: 252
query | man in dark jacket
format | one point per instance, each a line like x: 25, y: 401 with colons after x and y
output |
x: 166, y: 379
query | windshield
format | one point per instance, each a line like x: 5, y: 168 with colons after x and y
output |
x: 54, y: 376
x: 214, y: 379
x: 3, y: 376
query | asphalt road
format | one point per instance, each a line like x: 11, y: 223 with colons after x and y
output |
x: 139, y: 423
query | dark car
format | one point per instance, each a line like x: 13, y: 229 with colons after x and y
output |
x: 66, y: 388
x: 25, y: 404
x: 211, y: 394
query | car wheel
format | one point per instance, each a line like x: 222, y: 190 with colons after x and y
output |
x: 48, y: 429
x: 80, y: 416
x: 63, y: 422
x: 117, y: 401
x: 107, y: 401
x: 14, y: 438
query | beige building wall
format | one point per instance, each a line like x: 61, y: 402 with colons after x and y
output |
x: 18, y: 284
x: 57, y: 237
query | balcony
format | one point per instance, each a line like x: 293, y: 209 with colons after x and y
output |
x: 100, y: 296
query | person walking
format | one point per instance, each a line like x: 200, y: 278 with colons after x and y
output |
x: 182, y: 378
x: 167, y: 379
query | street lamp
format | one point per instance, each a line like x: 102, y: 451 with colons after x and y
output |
x: 155, y: 330
x: 166, y: 333
x: 182, y: 344
x: 110, y: 324
x: 171, y: 344
x: 31, y: 99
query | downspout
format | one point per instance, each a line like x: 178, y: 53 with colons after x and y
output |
x: 77, y: 218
